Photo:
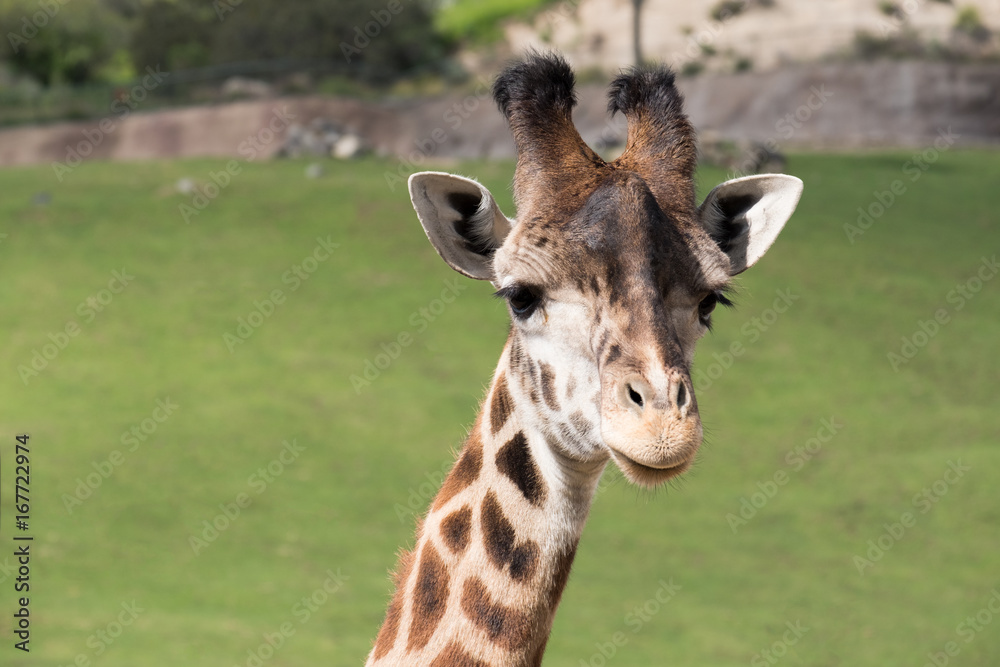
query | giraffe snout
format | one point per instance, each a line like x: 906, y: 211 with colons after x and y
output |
x: 640, y: 397
x: 651, y: 427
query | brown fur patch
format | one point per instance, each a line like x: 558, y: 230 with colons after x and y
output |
x: 515, y: 352
x: 430, y: 597
x: 506, y: 627
x: 549, y: 386
x: 390, y: 627
x: 454, y: 656
x: 501, y: 542
x: 501, y: 405
x: 455, y: 529
x: 602, y: 343
x: 613, y: 354
x: 515, y: 461
x: 465, y: 471
x: 580, y: 423
x: 536, y: 661
x: 561, y: 575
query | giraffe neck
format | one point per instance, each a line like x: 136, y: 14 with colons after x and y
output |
x: 494, y: 552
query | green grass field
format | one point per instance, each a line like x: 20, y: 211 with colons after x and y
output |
x: 368, y: 459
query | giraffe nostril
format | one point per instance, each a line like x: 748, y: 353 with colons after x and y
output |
x: 635, y: 396
x: 682, y: 395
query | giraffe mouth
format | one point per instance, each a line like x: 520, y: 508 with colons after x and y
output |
x: 645, y: 475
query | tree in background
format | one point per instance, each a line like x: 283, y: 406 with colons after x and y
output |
x: 79, y: 41
x: 382, y: 43
x: 70, y: 42
x: 637, y: 32
x: 173, y: 35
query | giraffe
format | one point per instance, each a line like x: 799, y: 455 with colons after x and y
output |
x: 611, y: 273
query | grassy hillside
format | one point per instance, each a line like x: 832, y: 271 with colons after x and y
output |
x: 480, y: 20
x: 814, y: 434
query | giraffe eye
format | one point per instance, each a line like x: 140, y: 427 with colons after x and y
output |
x: 706, y: 307
x: 522, y: 300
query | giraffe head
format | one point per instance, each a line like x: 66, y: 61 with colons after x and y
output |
x: 611, y: 270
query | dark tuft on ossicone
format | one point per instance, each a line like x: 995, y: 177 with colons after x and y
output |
x: 646, y: 87
x: 541, y: 82
x: 660, y: 137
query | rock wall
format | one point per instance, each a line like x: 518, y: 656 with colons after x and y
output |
x: 821, y: 106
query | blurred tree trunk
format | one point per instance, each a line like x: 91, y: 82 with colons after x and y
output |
x: 636, y: 31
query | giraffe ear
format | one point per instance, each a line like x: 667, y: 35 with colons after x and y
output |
x: 461, y: 220
x: 744, y: 215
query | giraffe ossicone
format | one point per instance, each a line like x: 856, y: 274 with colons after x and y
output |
x: 611, y: 272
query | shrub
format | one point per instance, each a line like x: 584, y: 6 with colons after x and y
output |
x: 692, y: 68
x: 890, y: 9
x: 172, y: 35
x: 331, y: 35
x: 70, y: 44
x: 902, y: 44
x: 969, y: 22
x: 727, y: 9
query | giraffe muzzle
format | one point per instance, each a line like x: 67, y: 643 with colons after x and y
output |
x: 652, y: 430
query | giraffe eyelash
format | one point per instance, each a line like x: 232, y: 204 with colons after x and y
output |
x: 523, y: 300
x: 709, y: 303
